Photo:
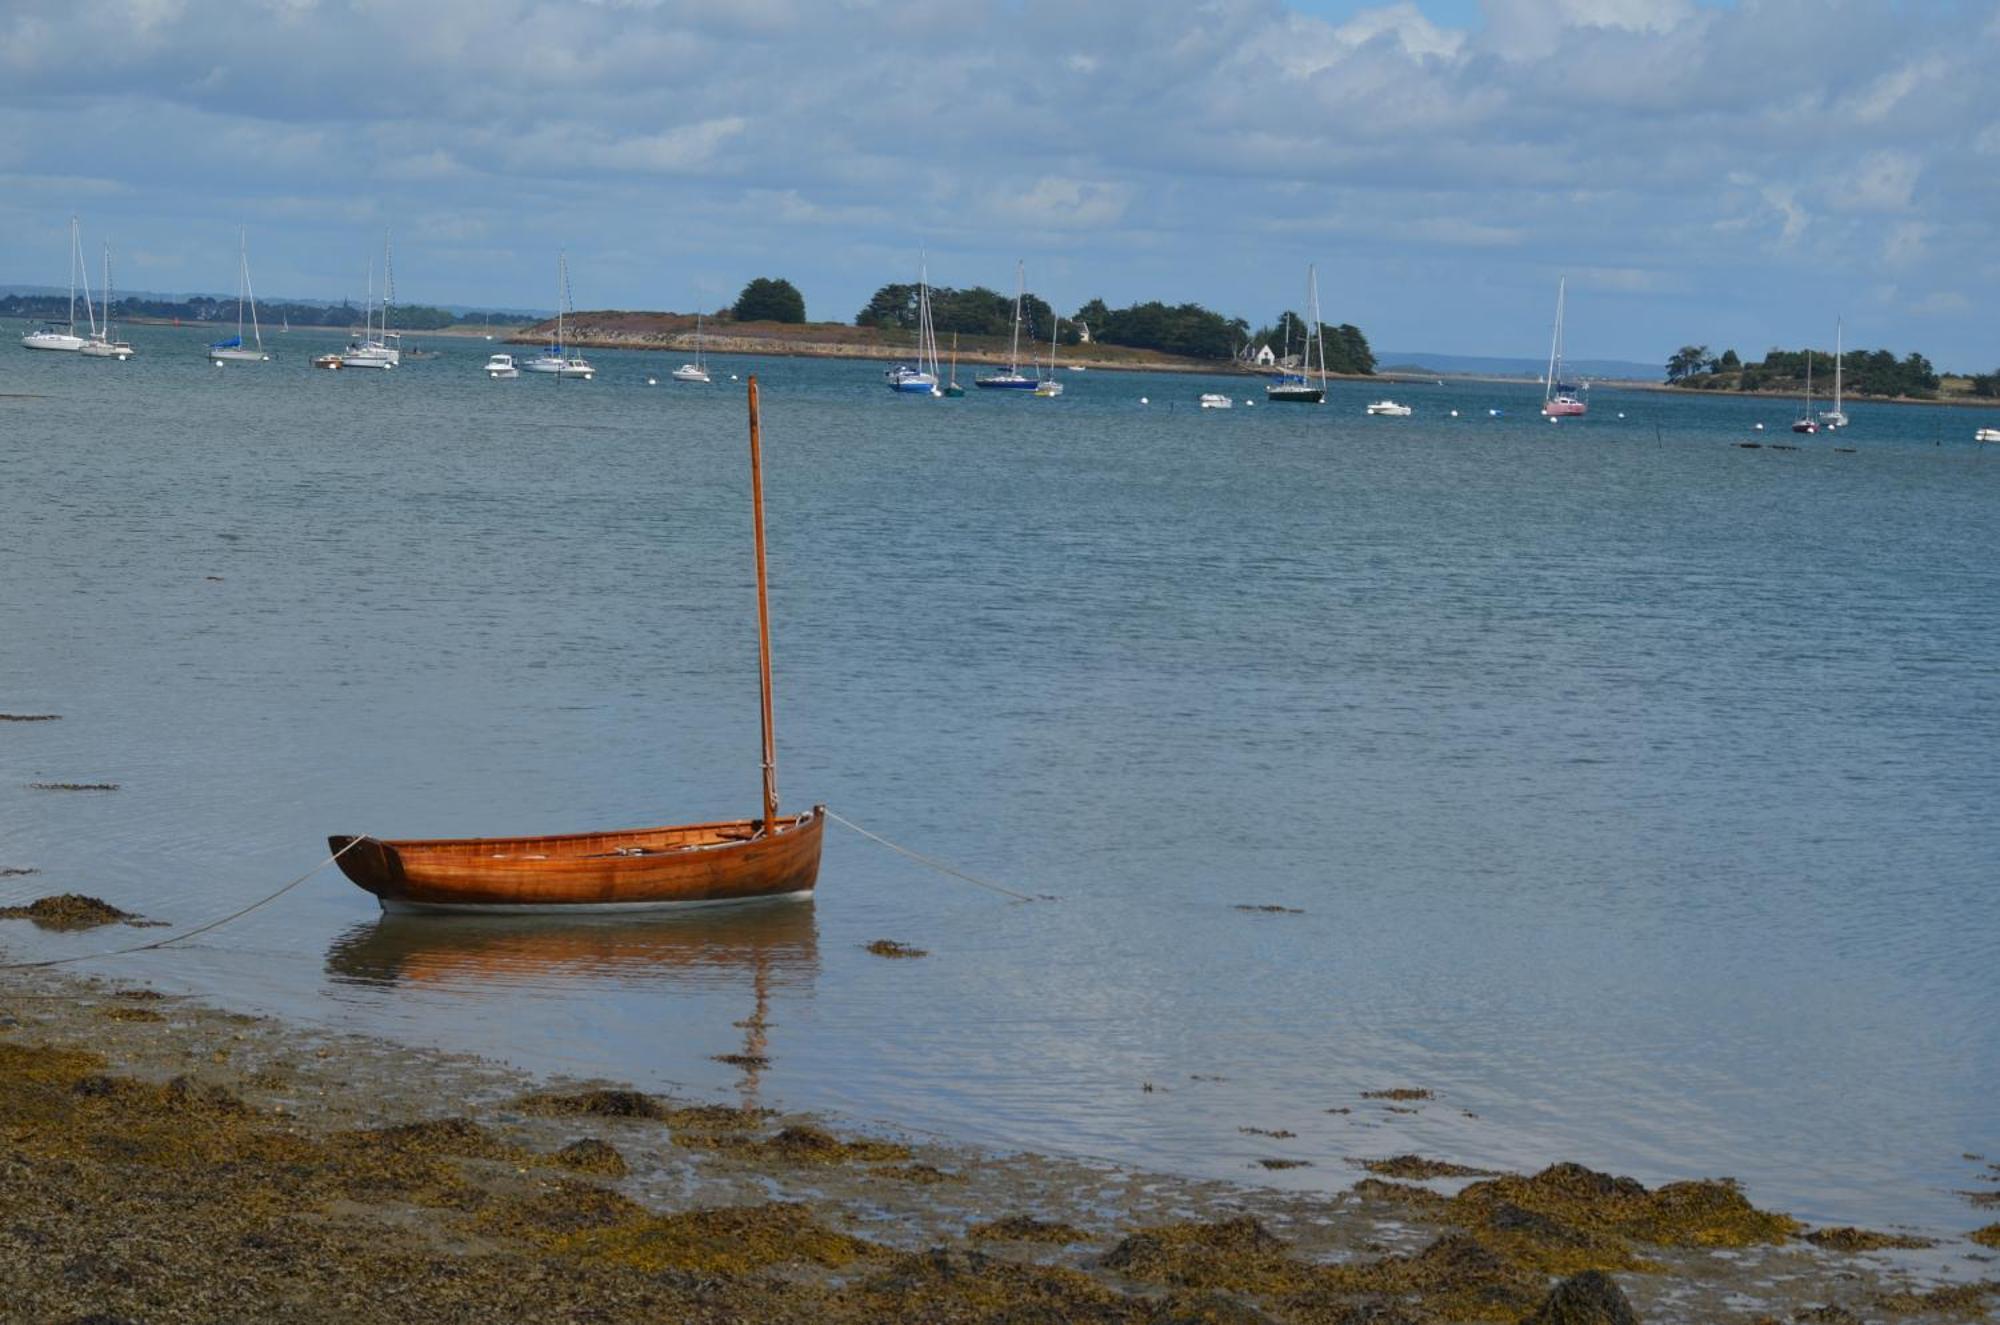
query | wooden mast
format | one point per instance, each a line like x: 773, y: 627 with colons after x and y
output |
x: 763, y: 619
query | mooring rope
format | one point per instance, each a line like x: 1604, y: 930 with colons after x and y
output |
x: 939, y: 865
x: 192, y: 933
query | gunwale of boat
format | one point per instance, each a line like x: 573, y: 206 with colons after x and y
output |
x: 610, y: 842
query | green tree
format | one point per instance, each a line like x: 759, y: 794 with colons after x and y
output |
x: 1686, y: 362
x: 1729, y: 363
x: 770, y: 300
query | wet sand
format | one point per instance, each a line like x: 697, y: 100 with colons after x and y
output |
x: 163, y: 1160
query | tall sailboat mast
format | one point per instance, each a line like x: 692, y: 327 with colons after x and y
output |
x: 75, y: 261
x: 1555, y: 343
x: 1020, y: 289
x: 763, y: 618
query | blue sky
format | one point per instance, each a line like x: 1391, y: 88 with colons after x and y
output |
x: 1736, y: 175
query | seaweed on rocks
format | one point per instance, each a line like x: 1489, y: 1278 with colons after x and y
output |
x: 1986, y: 1237
x: 1953, y: 1299
x: 591, y: 1104
x: 1027, y: 1228
x: 1861, y: 1239
x: 1239, y: 1255
x: 590, y: 1155
x: 1417, y: 1167
x: 797, y: 1145
x: 891, y: 948
x: 1589, y: 1298
x: 69, y: 911
x: 730, y: 1241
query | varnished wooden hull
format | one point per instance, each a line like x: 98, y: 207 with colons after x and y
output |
x: 638, y: 869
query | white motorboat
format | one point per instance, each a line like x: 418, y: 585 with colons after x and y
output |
x: 48, y: 336
x: 500, y: 366
x: 234, y: 350
x: 1216, y: 400
x: 1390, y: 409
x: 1987, y: 435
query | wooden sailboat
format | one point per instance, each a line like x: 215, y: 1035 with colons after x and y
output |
x: 637, y: 869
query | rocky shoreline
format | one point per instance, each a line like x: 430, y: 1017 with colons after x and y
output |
x: 162, y: 1160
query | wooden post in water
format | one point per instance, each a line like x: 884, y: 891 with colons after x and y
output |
x: 763, y: 619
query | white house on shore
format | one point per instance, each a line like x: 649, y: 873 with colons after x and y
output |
x: 1264, y: 357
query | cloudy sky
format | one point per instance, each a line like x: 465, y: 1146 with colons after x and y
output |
x: 1737, y: 174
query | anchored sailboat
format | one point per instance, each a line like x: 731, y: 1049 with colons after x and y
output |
x: 1013, y: 379
x: 234, y: 350
x: 1831, y: 419
x: 1806, y: 423
x: 951, y: 387
x: 698, y: 370
x: 377, y: 348
x: 921, y: 379
x: 48, y: 336
x: 102, y: 344
x: 1559, y: 398
x: 630, y: 870
x: 1299, y: 387
x: 557, y: 358
x: 1048, y: 386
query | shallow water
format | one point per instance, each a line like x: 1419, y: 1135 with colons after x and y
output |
x: 1637, y: 790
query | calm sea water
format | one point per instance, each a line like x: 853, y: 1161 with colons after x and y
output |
x: 1640, y: 794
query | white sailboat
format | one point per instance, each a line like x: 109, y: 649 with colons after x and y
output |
x: 1559, y: 399
x: 922, y: 379
x: 234, y: 350
x: 1048, y: 387
x: 1836, y: 417
x: 375, y: 348
x: 1013, y: 379
x: 48, y: 336
x: 557, y: 360
x: 102, y: 344
x: 698, y: 370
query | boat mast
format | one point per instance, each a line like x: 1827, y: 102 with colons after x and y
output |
x: 763, y: 619
x: 89, y: 306
x: 1020, y: 288
x: 243, y: 251
x: 75, y: 257
x: 1318, y: 329
x: 1837, y: 328
x: 562, y: 293
x: 1555, y: 343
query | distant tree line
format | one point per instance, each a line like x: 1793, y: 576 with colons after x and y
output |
x: 1347, y: 350
x: 1863, y: 372
x: 975, y: 312
x: 201, y: 308
x: 1188, y: 330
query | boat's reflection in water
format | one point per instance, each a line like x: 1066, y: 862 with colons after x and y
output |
x: 757, y: 948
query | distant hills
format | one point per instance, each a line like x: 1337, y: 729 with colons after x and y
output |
x: 1472, y: 365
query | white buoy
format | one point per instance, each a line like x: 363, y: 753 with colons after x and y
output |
x: 1621, y: 413
x: 1554, y: 419
x: 1757, y: 427
x: 1454, y: 414
x: 732, y: 377
x: 216, y: 362
x: 1144, y: 401
x: 1249, y: 404
x: 1493, y: 413
x: 652, y: 381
